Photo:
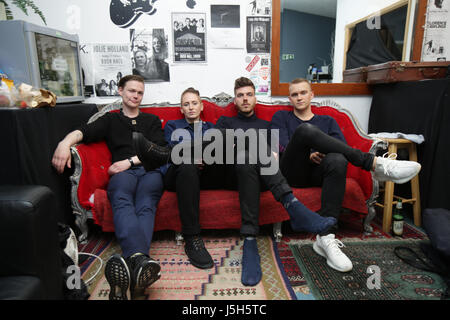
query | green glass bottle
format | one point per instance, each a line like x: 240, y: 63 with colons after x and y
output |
x: 397, y: 225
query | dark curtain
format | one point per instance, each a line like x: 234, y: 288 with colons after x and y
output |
x: 371, y: 46
x: 28, y: 139
x: 419, y: 107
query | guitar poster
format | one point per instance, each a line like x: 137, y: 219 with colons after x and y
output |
x: 189, y: 37
x: 148, y: 52
x: 124, y: 13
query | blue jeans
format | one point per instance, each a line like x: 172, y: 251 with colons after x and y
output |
x: 134, y: 195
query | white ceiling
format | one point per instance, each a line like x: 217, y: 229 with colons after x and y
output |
x: 325, y: 8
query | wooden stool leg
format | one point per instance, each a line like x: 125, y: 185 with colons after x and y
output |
x: 387, y: 211
x: 388, y: 197
x: 415, y: 191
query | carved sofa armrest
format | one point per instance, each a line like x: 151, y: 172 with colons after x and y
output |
x: 91, y: 163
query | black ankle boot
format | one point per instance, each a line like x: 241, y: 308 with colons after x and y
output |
x: 150, y: 154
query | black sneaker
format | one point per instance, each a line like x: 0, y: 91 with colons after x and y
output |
x: 144, y: 271
x: 118, y: 276
x: 197, y: 253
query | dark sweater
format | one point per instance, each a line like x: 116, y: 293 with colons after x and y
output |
x: 286, y: 122
x: 242, y: 122
x: 116, y: 130
x: 246, y: 123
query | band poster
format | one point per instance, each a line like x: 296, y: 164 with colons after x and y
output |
x: 148, y: 53
x: 189, y: 37
x: 258, y: 34
x: 103, y: 65
x: 436, y: 44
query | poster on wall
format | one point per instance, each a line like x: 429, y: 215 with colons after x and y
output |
x: 87, y: 69
x: 436, y: 44
x: 124, y: 13
x: 189, y: 37
x: 148, y: 53
x: 226, y: 27
x: 259, y: 7
x: 258, y: 69
x: 258, y: 34
x: 109, y: 63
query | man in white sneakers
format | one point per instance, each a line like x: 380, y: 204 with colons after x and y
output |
x: 313, y: 152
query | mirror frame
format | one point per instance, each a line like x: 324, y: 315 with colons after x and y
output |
x: 334, y: 89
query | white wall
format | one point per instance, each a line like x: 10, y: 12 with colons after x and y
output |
x: 90, y: 20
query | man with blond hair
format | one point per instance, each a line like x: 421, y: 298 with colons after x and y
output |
x: 313, y: 152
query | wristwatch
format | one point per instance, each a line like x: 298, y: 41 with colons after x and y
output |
x: 131, y: 161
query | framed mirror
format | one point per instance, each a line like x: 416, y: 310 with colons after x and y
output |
x: 280, y: 84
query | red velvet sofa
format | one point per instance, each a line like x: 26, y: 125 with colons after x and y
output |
x: 219, y: 209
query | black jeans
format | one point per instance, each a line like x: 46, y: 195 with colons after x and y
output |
x: 249, y: 181
x: 330, y: 174
x: 187, y: 180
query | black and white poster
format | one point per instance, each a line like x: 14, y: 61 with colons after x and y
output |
x: 103, y: 65
x: 189, y: 37
x: 436, y: 44
x: 258, y: 34
x: 226, y: 30
x: 259, y: 7
x: 148, y: 54
x: 225, y: 16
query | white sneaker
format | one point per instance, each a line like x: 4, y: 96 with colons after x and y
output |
x: 329, y: 248
x: 397, y: 171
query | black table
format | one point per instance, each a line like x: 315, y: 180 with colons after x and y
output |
x: 419, y: 107
x: 28, y: 139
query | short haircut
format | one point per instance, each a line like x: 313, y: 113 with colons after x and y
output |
x: 191, y: 90
x: 299, y: 80
x: 243, y: 82
x: 131, y: 77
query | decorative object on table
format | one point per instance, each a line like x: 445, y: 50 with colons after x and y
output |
x: 36, y: 98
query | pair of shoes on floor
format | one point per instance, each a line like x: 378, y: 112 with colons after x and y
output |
x: 124, y: 276
x: 330, y: 248
x: 387, y: 168
x: 197, y: 253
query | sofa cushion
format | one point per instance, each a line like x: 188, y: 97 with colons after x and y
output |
x: 271, y: 211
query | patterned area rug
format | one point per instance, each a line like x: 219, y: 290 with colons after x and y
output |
x: 283, y: 268
x: 397, y: 280
x: 350, y: 231
x: 181, y: 281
